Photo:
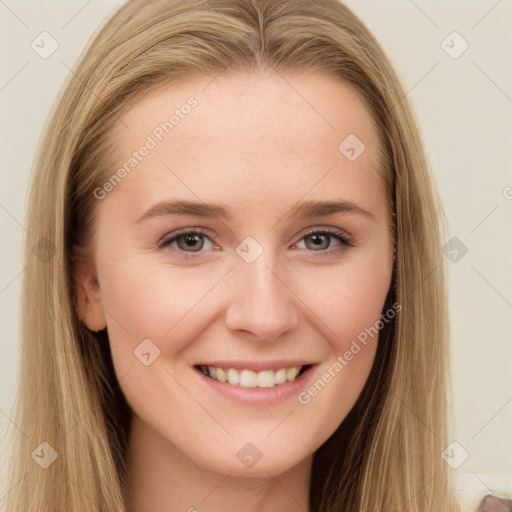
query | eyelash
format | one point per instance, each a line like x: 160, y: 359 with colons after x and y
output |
x: 342, y: 237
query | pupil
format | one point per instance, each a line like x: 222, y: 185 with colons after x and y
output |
x: 191, y: 241
x: 319, y: 239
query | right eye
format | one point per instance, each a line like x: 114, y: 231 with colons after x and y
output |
x: 190, y: 240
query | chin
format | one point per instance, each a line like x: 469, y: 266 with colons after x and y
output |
x: 252, y: 460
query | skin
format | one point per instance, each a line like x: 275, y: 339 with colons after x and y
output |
x: 257, y: 143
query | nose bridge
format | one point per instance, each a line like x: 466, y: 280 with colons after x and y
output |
x: 260, y: 303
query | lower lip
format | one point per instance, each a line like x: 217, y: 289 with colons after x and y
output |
x: 264, y: 396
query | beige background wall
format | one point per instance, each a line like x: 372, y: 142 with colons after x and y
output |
x: 455, y: 59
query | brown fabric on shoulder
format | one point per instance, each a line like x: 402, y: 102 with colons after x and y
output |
x: 492, y: 503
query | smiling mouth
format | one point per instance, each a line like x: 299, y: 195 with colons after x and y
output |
x: 252, y: 379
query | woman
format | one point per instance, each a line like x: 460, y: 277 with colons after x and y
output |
x: 242, y: 302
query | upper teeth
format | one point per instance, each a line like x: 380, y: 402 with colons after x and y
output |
x: 250, y: 379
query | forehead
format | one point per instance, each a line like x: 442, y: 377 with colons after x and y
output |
x: 245, y: 133
x: 282, y: 103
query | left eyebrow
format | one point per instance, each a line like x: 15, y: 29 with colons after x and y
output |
x: 307, y: 209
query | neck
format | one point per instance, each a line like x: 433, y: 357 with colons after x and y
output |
x: 162, y: 478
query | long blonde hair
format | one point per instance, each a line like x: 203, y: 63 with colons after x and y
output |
x: 386, y: 455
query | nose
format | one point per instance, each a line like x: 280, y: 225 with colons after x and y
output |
x: 261, y: 301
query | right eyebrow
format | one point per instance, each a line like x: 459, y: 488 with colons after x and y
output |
x: 165, y: 208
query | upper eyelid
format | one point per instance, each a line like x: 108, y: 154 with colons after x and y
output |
x: 330, y: 231
x: 184, y: 231
x: 341, y: 234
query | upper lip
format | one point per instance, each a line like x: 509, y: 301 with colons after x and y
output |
x: 256, y: 366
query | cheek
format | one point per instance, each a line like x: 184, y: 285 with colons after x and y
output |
x: 348, y: 308
x: 152, y: 302
x: 347, y: 301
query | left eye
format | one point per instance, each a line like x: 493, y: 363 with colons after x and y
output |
x: 322, y: 240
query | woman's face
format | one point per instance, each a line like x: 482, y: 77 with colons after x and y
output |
x: 292, y: 263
